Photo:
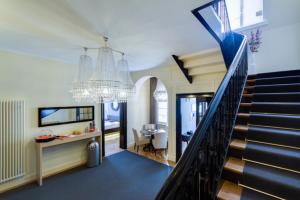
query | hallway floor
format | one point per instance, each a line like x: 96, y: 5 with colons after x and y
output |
x: 159, y: 157
x: 112, y: 144
x: 116, y: 178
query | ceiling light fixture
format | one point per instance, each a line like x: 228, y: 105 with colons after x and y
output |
x: 160, y: 93
x: 80, y: 88
x: 107, y: 82
x: 127, y: 88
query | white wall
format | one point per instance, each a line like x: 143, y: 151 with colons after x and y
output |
x: 41, y: 83
x: 138, y: 109
x: 175, y: 83
x: 280, y: 49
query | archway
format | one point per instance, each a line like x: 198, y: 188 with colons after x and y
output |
x: 149, y: 106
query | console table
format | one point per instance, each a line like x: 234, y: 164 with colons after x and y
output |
x: 41, y: 146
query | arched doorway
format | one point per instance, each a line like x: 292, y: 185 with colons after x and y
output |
x: 149, y: 107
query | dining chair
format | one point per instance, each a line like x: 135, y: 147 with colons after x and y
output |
x: 139, y: 140
x: 160, y: 141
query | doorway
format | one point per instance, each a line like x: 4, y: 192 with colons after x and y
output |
x: 190, y: 110
x: 113, y: 127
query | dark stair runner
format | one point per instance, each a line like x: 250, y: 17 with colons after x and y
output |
x: 263, y: 161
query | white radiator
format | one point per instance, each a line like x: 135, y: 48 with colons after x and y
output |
x: 12, y: 117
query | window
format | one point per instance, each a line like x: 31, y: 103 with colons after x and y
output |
x: 162, y: 112
x: 244, y: 13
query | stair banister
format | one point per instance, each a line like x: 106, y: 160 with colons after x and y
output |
x: 198, y: 171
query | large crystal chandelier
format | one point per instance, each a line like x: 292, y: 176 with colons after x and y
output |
x: 107, y: 82
x: 80, y: 87
x: 104, y: 83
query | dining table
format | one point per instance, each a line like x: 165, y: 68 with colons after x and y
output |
x: 150, y: 133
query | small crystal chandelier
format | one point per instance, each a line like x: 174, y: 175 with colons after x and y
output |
x: 127, y: 88
x: 160, y: 93
x: 80, y: 88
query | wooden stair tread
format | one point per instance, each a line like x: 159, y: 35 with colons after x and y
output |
x: 246, y: 104
x: 241, y: 128
x: 251, y: 81
x: 244, y: 115
x: 230, y: 191
x: 238, y: 144
x: 235, y: 165
x: 247, y: 95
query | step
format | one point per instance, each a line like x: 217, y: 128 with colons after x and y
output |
x: 273, y: 97
x: 234, y: 165
x: 277, y: 136
x: 229, y: 191
x: 275, y: 74
x: 272, y: 107
x: 232, y: 191
x: 278, y: 182
x: 241, y: 128
x: 274, y: 80
x: 272, y: 120
x: 283, y: 157
x: 238, y: 144
x: 243, y: 115
x: 280, y: 88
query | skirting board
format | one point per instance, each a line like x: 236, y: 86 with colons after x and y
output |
x: 27, y: 179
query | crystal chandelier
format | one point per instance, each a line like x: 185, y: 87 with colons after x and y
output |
x: 127, y: 88
x: 160, y: 93
x: 104, y: 83
x: 107, y: 82
x: 80, y: 88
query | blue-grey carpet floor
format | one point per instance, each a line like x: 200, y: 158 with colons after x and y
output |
x: 124, y: 176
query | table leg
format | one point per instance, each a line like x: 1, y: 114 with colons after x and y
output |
x: 39, y: 164
x: 99, y: 140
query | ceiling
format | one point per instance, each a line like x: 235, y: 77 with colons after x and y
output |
x: 149, y: 32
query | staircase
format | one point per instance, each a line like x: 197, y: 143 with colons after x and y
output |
x: 263, y: 161
x: 205, y: 62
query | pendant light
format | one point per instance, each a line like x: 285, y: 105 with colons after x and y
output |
x: 107, y: 82
x: 127, y: 88
x: 160, y: 93
x: 80, y: 87
x: 104, y: 83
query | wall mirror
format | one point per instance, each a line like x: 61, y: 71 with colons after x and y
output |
x: 50, y: 116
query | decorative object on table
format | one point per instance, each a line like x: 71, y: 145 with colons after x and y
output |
x: 92, y: 127
x: 108, y: 82
x: 45, y: 138
x: 92, y: 154
x: 46, y: 135
x: 254, y: 42
x: 139, y: 140
x: 76, y: 133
